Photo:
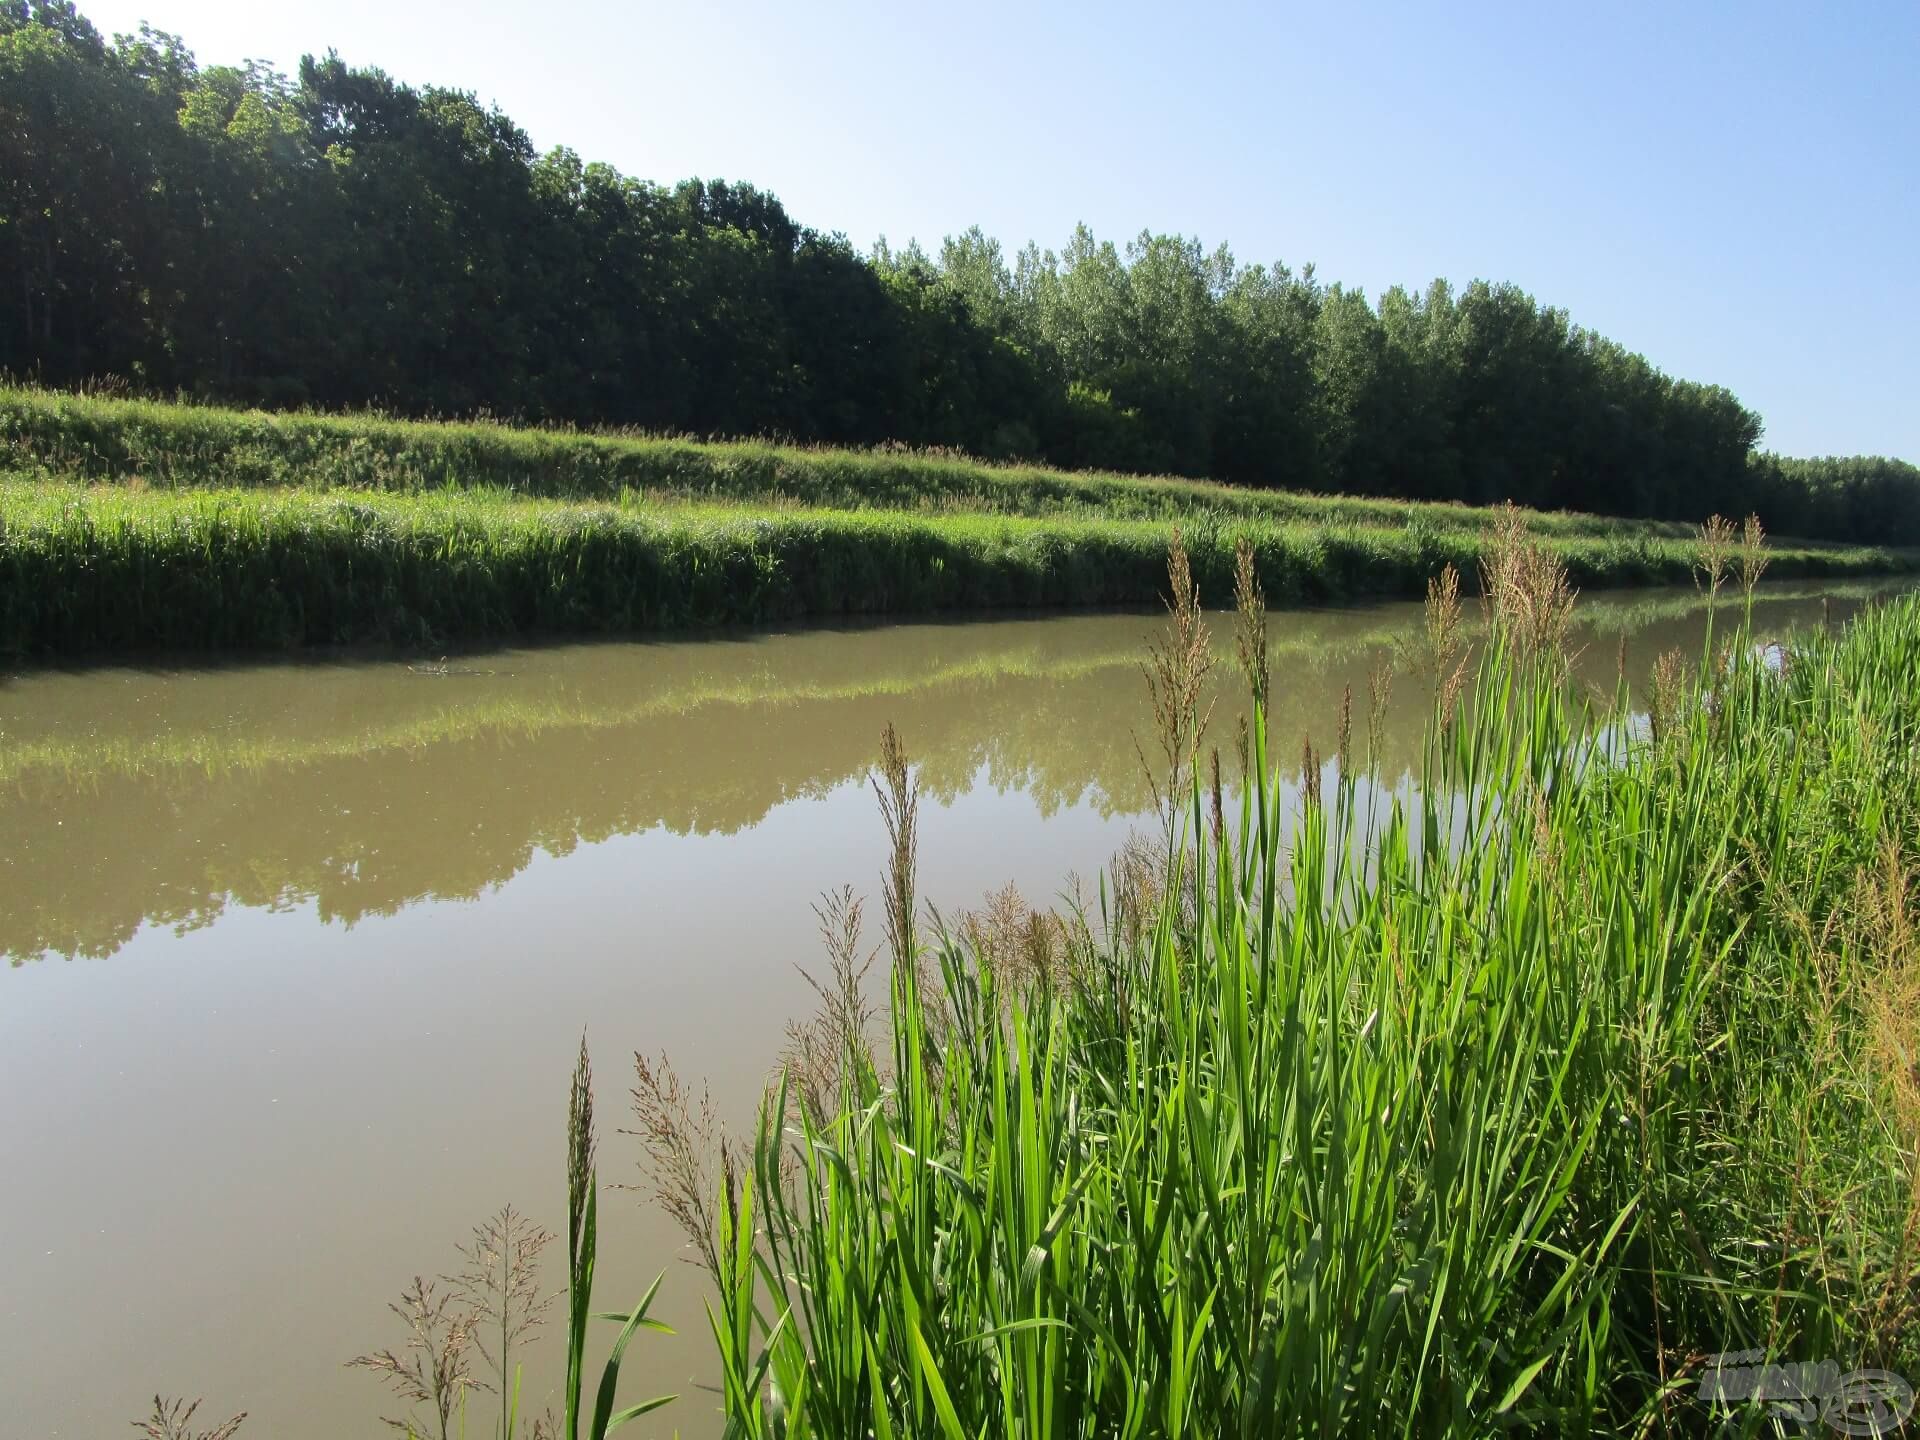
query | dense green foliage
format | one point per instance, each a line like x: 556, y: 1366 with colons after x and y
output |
x: 1503, y: 1101
x: 118, y: 568
x: 339, y: 239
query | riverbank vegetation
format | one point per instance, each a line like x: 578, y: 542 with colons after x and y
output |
x: 338, y: 238
x: 166, y: 444
x: 122, y: 568
x: 132, y: 525
x: 1508, y: 1098
x: 1505, y: 1101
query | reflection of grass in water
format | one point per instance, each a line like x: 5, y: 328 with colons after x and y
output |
x: 1306, y: 640
x: 355, y: 820
x: 299, y: 819
x: 214, y: 753
x: 513, y: 719
x: 1614, y: 615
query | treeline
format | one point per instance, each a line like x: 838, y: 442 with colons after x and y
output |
x: 340, y: 239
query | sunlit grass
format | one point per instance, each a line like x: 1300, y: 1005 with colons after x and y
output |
x: 88, y: 568
x: 184, y: 444
x: 1506, y: 1105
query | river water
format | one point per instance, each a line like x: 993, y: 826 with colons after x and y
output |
x: 301, y: 952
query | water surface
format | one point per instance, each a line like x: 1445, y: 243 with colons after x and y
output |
x: 300, y: 952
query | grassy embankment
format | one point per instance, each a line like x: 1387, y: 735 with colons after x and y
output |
x: 127, y: 525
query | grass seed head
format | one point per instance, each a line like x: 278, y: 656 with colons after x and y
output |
x: 1714, y: 554
x: 173, y: 1420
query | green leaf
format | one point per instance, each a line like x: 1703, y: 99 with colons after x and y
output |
x: 936, y: 1387
x: 1520, y: 1384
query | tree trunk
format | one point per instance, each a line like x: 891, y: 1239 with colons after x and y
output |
x: 46, y: 304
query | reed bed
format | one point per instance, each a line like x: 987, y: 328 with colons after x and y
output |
x: 119, y: 567
x: 1503, y: 1101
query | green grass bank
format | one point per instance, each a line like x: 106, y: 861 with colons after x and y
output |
x: 172, y: 445
x: 86, y: 568
x: 127, y: 525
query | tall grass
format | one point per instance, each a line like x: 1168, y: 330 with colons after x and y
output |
x: 1508, y: 1099
x: 120, y: 568
x: 497, y: 1295
x: 1501, y: 1101
x: 583, y: 1225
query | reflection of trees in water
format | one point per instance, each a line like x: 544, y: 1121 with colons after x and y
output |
x: 436, y: 799
x: 368, y: 834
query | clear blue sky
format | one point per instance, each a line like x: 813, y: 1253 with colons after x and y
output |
x: 1732, y: 189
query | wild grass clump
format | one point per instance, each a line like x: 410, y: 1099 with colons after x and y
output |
x: 495, y: 1303
x: 1525, y: 586
x: 1439, y: 652
x: 434, y: 1368
x: 844, y: 1021
x: 1503, y: 1112
x: 492, y: 1306
x: 687, y: 1161
x: 499, y: 1283
x: 1250, y: 642
x: 1717, y: 544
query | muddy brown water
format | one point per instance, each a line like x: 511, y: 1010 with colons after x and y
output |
x: 300, y: 953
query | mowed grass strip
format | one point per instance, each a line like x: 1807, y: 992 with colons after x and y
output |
x: 170, y: 444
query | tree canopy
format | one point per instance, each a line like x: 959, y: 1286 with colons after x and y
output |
x: 338, y: 238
